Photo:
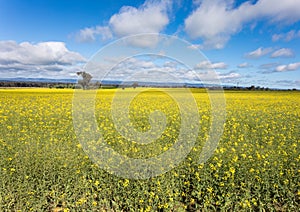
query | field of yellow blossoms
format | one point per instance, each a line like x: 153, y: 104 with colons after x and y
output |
x: 255, y: 167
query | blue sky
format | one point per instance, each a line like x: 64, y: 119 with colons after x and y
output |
x: 247, y: 42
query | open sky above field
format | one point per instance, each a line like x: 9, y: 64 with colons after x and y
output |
x: 254, y: 42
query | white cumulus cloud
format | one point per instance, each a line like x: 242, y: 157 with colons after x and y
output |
x: 230, y: 75
x: 288, y: 67
x: 208, y: 65
x: 41, y: 59
x: 283, y: 52
x: 89, y: 34
x: 40, y: 54
x: 258, y: 52
x: 293, y: 34
x: 151, y: 17
x: 215, y: 21
x: 244, y: 65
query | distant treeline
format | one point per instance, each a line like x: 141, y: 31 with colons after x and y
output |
x: 11, y: 84
x: 62, y: 85
x: 254, y: 88
x: 58, y: 85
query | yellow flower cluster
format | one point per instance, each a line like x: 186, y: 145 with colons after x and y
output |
x: 255, y: 167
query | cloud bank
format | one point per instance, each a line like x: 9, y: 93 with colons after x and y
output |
x: 44, y: 59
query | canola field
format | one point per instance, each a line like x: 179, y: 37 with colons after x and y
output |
x: 256, y: 165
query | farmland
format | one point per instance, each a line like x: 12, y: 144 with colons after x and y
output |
x: 256, y: 165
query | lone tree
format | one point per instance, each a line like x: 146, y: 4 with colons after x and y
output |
x: 135, y: 84
x: 86, y: 78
